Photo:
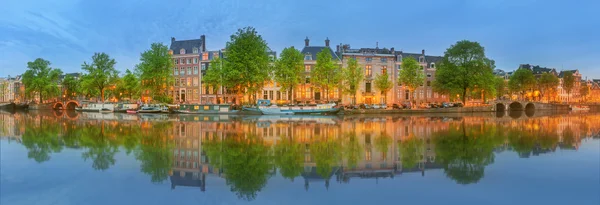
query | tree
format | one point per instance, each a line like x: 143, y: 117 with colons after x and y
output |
x: 327, y: 73
x: 521, y: 81
x: 246, y: 163
x: 289, y: 69
x: 289, y: 157
x: 129, y: 85
x: 410, y: 150
x: 353, y: 75
x: 155, y: 72
x: 584, y: 91
x: 215, y: 76
x: 3, y: 88
x: 71, y: 85
x: 41, y: 78
x: 411, y: 75
x: 352, y: 149
x: 101, y: 73
x: 463, y: 66
x: 383, y: 84
x: 548, y: 83
x: 568, y: 83
x: 247, y: 64
x: 500, y: 87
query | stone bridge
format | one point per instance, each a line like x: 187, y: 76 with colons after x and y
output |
x: 511, y: 105
x: 65, y: 105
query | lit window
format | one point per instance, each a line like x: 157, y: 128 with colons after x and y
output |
x: 307, y: 68
x: 368, y: 71
x: 204, y: 56
x: 383, y: 69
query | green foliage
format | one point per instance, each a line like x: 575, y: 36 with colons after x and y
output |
x: 100, y: 74
x: 40, y: 78
x: 3, y: 88
x: 128, y: 86
x: 155, y: 72
x: 568, y: 81
x: 156, y: 152
x: 353, y: 76
x: 326, y: 155
x: 41, y: 139
x: 521, y: 81
x: 411, y: 75
x: 463, y: 67
x: 289, y: 69
x: 289, y: 157
x: 215, y: 75
x: 410, y: 151
x: 500, y: 87
x: 584, y: 91
x: 352, y: 149
x: 247, y: 62
x: 71, y: 86
x: 383, y: 84
x: 548, y: 83
x: 326, y: 74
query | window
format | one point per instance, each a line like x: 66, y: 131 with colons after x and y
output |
x: 307, y: 80
x: 383, y: 69
x: 369, y: 59
x: 175, y: 71
x: 182, y: 51
x: 429, y: 75
x: 204, y: 56
x: 368, y: 87
x: 278, y: 96
x: 384, y: 60
x: 195, y: 70
x: 189, y: 83
x: 195, y: 94
x: 189, y: 70
x: 189, y: 61
x: 181, y: 71
x: 176, y: 61
x: 368, y: 156
x: 271, y: 58
x: 176, y: 81
x: 421, y: 59
x: 182, y: 82
x: 432, y: 65
x: 188, y: 96
x: 265, y: 94
x: 399, y: 58
x: 368, y: 71
x: 428, y: 83
x: 182, y: 61
x: 307, y: 57
x: 307, y: 68
x: 195, y: 50
x: 203, y: 66
x: 195, y: 81
x: 195, y: 60
x: 271, y: 94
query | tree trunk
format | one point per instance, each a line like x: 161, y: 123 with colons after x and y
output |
x: 102, y: 95
x: 464, y: 97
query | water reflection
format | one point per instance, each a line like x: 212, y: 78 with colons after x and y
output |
x: 246, y: 151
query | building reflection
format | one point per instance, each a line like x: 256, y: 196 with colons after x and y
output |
x: 246, y: 151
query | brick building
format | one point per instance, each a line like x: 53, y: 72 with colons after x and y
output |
x: 186, y: 57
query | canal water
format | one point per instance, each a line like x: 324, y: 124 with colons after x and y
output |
x: 95, y: 158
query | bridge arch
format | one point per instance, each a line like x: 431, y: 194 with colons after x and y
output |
x: 515, y: 106
x: 71, y: 105
x: 58, y: 106
x: 500, y: 107
x: 530, y: 106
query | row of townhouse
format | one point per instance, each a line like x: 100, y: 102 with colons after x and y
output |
x: 11, y: 89
x: 192, y: 60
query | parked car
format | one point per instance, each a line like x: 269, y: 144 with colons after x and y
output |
x: 396, y: 106
x: 459, y: 104
x: 376, y: 106
x: 446, y: 105
x: 434, y: 105
x: 383, y: 106
x: 424, y: 105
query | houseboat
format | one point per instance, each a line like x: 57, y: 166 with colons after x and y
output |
x: 123, y: 107
x: 96, y: 107
x: 150, y: 109
x: 580, y: 108
x: 206, y: 109
x: 267, y: 108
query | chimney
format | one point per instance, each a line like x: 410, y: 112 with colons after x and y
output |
x: 392, y: 50
x: 306, y: 41
x: 337, y: 48
x: 327, y: 42
x: 172, y: 39
x: 203, y: 40
x: 423, y: 51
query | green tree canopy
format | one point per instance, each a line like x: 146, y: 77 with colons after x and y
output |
x: 353, y: 76
x: 101, y: 73
x: 289, y: 69
x: 247, y: 62
x: 500, y: 87
x: 383, y: 84
x: 521, y: 81
x: 548, y: 83
x: 411, y: 74
x: 215, y: 75
x: 584, y: 91
x: 326, y: 74
x: 40, y: 78
x: 71, y: 85
x: 155, y: 72
x: 568, y: 83
x: 464, y: 65
x: 129, y: 85
x: 289, y: 157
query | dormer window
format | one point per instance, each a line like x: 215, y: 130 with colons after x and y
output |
x: 432, y: 65
x: 399, y: 58
x: 421, y: 59
x: 307, y: 57
x: 271, y: 58
x: 195, y: 50
x: 182, y: 51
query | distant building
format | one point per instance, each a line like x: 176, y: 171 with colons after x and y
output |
x: 574, y: 95
x: 13, y: 89
x: 186, y: 54
x: 423, y: 93
x: 306, y: 91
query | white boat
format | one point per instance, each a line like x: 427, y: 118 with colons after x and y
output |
x: 274, y: 110
x: 267, y: 109
x: 96, y: 107
x: 580, y: 108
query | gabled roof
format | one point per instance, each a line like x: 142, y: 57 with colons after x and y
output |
x: 562, y: 73
x: 188, y: 45
x: 186, y: 180
x: 75, y: 75
x: 313, y: 50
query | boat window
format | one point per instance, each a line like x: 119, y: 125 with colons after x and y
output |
x: 206, y: 107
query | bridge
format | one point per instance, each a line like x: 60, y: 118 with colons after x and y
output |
x: 65, y: 105
x: 512, y: 105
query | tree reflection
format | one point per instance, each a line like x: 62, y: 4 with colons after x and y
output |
x: 464, y: 152
x: 41, y: 139
x: 410, y: 151
x: 289, y: 156
x: 155, y: 152
x: 326, y: 154
x: 101, y: 148
x: 352, y: 149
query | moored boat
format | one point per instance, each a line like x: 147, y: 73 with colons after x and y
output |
x: 131, y: 111
x: 95, y: 107
x: 7, y: 106
x: 267, y: 109
x: 149, y: 109
x: 206, y: 109
x: 580, y: 108
x: 123, y: 107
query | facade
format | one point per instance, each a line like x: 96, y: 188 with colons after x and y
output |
x: 375, y: 62
x: 306, y: 92
x: 186, y: 57
x: 208, y: 95
x: 423, y: 93
x: 574, y: 95
x: 12, y: 89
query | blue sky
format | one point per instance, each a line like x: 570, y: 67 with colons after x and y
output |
x: 559, y: 34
